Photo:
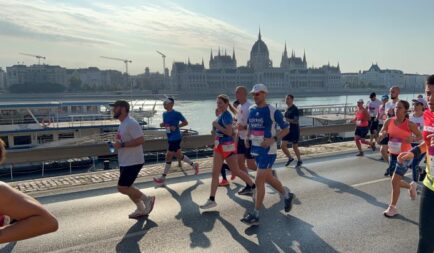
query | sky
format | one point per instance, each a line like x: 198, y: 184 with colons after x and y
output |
x: 395, y: 34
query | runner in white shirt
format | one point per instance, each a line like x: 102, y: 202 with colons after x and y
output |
x: 373, y: 106
x: 417, y: 118
x: 390, y: 112
x: 382, y: 116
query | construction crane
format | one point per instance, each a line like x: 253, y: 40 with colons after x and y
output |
x: 35, y: 56
x: 126, y: 71
x: 164, y: 61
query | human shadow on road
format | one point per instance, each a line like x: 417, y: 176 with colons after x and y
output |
x: 340, y: 187
x: 130, y: 241
x: 8, y: 248
x: 191, y: 216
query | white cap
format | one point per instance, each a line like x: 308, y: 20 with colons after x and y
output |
x: 360, y: 101
x: 258, y: 88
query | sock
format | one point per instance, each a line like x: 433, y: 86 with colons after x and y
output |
x: 286, y: 192
x: 256, y: 212
x: 140, y: 205
x: 212, y: 198
x: 187, y: 160
x: 167, y: 168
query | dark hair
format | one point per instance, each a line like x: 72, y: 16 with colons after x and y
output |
x: 290, y: 95
x: 406, y: 106
x: 225, y: 99
x: 372, y: 95
x: 430, y: 80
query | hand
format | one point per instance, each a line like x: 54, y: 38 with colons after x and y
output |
x: 247, y: 143
x: 405, y: 156
x: 117, y: 145
x: 173, y: 128
x: 267, y: 142
x: 161, y: 124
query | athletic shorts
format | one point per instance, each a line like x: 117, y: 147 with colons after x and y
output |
x: 128, y: 174
x: 220, y: 150
x: 373, y: 125
x: 243, y: 150
x: 174, y: 146
x: 401, y: 169
x: 361, y: 131
x: 384, y: 141
x: 292, y: 137
x: 265, y: 161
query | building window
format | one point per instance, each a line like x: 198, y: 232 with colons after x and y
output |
x: 22, y: 140
x: 45, y: 138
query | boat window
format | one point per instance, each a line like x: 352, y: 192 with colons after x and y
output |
x: 22, y: 140
x: 45, y: 138
x: 66, y: 136
x: 5, y: 140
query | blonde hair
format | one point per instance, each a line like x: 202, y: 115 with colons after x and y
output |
x: 225, y: 99
x: 2, y: 151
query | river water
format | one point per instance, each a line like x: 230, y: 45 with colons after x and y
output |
x: 200, y: 114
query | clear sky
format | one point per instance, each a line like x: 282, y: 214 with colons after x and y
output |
x: 396, y: 34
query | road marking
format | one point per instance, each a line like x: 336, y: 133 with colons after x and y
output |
x: 375, y: 181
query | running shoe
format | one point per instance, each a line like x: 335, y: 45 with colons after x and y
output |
x: 390, y: 212
x: 250, y: 219
x: 137, y: 214
x: 299, y: 163
x: 149, y: 202
x: 386, y: 173
x: 360, y: 154
x: 290, y: 160
x: 224, y: 182
x: 208, y: 205
x: 196, y: 168
x: 412, y: 191
x: 246, y: 191
x: 159, y: 181
x: 288, y: 202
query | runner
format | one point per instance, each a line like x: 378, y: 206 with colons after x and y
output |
x: 30, y: 217
x: 362, y: 127
x: 417, y: 118
x: 129, y: 141
x: 262, y: 132
x: 292, y: 117
x: 172, y: 122
x: 426, y: 211
x: 225, y: 149
x: 382, y: 116
x: 373, y: 107
x: 242, y: 115
x: 390, y: 112
x: 399, y: 129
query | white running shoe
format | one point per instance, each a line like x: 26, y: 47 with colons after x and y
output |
x: 149, y: 202
x: 160, y: 181
x: 137, y: 214
x: 208, y: 205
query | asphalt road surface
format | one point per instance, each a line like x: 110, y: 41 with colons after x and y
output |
x: 339, y: 205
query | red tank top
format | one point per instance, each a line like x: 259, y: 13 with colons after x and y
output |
x: 360, y: 119
x: 398, y: 135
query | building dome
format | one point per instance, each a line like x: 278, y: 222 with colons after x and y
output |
x: 259, y: 47
x: 259, y: 57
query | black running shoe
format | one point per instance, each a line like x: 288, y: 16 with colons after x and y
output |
x: 288, y: 202
x: 299, y: 163
x: 246, y: 191
x: 250, y: 219
x: 289, y: 161
x: 386, y: 173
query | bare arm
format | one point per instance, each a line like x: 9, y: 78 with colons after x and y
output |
x: 227, y: 130
x: 183, y: 123
x: 415, y: 130
x: 134, y: 143
x: 32, y: 218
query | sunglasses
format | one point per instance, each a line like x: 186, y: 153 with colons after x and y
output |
x: 257, y: 94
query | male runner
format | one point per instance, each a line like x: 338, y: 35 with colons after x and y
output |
x: 172, y: 122
x: 129, y: 141
x: 262, y: 132
x: 373, y: 106
x: 292, y: 117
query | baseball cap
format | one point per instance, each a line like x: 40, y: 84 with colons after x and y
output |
x: 258, y: 88
x: 372, y: 95
x: 121, y: 103
x: 419, y: 101
x: 360, y: 101
x: 384, y: 97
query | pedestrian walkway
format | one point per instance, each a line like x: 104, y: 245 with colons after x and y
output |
x: 76, y: 180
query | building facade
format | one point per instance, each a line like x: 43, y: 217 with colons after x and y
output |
x: 20, y: 74
x: 224, y: 75
x: 3, y: 85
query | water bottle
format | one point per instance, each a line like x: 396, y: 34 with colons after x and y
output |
x: 111, y: 147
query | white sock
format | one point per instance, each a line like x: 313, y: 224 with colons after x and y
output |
x: 286, y: 192
x: 187, y: 160
x: 166, y: 168
x: 140, y: 205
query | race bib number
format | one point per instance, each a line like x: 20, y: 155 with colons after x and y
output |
x: 395, y: 146
x: 168, y: 130
x: 230, y: 147
x: 257, y: 137
x: 428, y: 129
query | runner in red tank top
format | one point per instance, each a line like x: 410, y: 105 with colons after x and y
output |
x: 362, y: 127
x: 399, y: 130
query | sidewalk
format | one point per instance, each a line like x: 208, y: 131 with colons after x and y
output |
x: 77, y: 180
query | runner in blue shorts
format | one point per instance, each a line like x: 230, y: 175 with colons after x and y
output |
x: 262, y: 133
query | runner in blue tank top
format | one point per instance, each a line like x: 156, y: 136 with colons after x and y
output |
x: 262, y: 133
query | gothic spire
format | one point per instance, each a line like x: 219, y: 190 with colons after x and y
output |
x: 233, y: 53
x: 259, y: 35
x: 304, y: 56
x: 210, y: 56
x: 285, y: 52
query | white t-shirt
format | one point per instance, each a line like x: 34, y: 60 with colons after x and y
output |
x: 242, y: 117
x: 129, y: 130
x: 390, y: 108
x: 373, y: 107
x: 418, y: 121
